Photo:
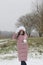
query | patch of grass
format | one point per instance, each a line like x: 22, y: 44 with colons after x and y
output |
x: 11, y: 45
x: 35, y: 41
x: 9, y: 57
x: 6, y: 48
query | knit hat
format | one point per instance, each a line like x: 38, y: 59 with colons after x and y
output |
x: 20, y: 28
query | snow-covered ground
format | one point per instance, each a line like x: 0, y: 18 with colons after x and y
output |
x: 30, y: 61
x: 3, y: 41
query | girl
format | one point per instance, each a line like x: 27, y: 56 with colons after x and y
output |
x: 22, y: 45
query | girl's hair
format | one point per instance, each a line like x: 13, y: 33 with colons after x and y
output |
x: 20, y: 32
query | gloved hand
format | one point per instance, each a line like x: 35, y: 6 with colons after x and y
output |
x: 24, y: 41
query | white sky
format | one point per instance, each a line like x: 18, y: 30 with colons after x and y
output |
x: 11, y: 10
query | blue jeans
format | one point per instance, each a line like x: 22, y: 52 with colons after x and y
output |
x: 23, y: 63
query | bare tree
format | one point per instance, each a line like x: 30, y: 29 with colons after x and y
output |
x: 35, y: 19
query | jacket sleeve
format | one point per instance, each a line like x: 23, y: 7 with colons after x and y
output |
x: 14, y: 36
x: 25, y: 38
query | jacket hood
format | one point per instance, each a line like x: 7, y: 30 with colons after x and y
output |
x: 20, y: 28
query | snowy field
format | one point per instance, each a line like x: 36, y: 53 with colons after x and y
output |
x: 5, y: 59
x: 30, y: 61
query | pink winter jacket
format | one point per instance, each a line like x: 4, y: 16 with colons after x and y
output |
x: 22, y: 47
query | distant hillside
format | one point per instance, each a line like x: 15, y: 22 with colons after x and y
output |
x: 5, y: 34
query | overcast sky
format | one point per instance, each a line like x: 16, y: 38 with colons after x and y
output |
x: 11, y: 10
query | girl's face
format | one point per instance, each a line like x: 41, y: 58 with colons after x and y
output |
x: 21, y: 32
